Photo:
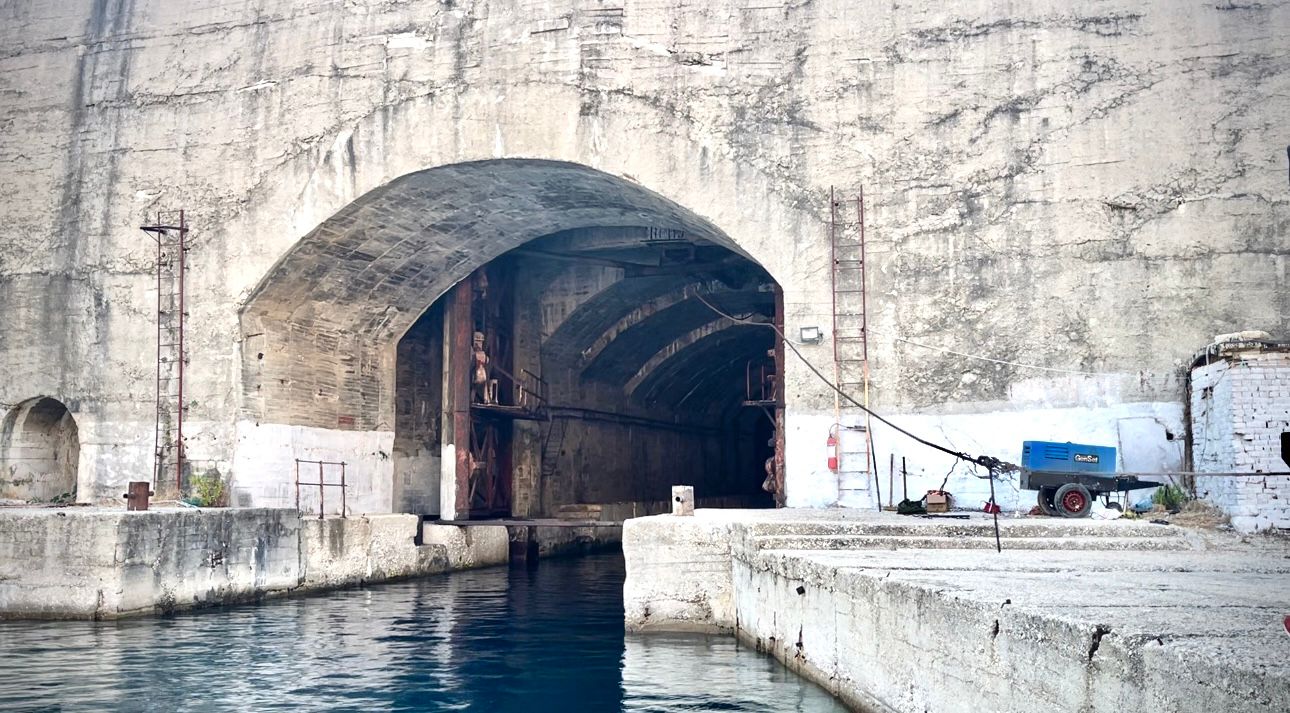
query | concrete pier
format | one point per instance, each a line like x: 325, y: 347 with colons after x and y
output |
x: 904, y: 614
x: 96, y: 563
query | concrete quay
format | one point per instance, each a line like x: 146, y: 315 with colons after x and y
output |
x: 903, y: 614
x: 99, y: 563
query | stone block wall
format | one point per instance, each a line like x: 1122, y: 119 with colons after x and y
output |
x: 417, y: 415
x: 1240, y: 411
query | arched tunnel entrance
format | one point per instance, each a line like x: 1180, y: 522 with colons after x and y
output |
x: 535, y: 338
x: 589, y: 369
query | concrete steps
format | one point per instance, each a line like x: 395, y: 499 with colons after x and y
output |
x: 972, y: 542
x: 1037, y: 528
x: 580, y: 511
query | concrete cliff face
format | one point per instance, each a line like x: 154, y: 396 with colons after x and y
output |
x: 1097, y: 190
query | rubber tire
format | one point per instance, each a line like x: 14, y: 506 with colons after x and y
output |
x: 1045, y: 498
x: 1113, y: 505
x: 1069, y: 489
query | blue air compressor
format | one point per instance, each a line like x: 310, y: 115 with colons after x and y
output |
x: 1069, y: 475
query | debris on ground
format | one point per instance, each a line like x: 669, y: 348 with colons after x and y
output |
x: 1196, y: 514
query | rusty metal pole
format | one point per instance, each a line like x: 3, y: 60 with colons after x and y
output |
x: 891, y: 480
x: 781, y: 398
x: 158, y: 467
x: 998, y: 543
x: 297, y: 485
x: 343, y: 498
x: 460, y: 327
x: 321, y: 491
x: 179, y: 317
x: 864, y: 348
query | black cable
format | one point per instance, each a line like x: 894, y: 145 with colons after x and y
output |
x: 989, y: 462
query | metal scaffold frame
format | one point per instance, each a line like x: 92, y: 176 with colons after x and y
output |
x: 170, y: 233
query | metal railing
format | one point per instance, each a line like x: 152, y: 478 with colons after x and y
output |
x: 530, y: 391
x: 322, y: 485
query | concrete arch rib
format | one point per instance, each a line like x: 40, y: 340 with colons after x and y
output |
x: 545, y: 121
x: 626, y: 355
x: 644, y: 312
x: 668, y: 367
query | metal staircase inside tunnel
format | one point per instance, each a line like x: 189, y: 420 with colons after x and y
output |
x: 555, y: 432
x: 850, y: 436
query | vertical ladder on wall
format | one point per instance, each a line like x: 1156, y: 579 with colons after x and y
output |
x: 170, y: 233
x: 850, y: 338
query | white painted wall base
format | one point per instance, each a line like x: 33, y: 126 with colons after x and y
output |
x: 264, y: 467
x: 1139, y: 431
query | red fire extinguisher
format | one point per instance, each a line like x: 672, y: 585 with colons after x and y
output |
x: 832, y: 445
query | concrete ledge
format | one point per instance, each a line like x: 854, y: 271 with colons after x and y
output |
x: 371, y: 548
x: 918, y: 615
x: 679, y: 574
x: 90, y: 563
x: 469, y: 546
x: 561, y: 541
x: 84, y: 563
x: 916, y: 640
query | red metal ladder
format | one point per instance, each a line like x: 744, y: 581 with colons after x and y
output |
x: 170, y: 233
x: 850, y: 338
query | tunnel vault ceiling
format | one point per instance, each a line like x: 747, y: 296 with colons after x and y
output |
x: 327, y: 312
x: 377, y: 264
x: 652, y: 336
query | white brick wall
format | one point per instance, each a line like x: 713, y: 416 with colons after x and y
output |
x: 1240, y: 406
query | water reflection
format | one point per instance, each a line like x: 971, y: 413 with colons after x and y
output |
x: 497, y: 641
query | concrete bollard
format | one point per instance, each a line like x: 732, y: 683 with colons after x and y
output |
x: 682, y: 499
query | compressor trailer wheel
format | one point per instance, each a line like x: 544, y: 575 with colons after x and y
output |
x: 1073, y: 500
x: 1046, y: 505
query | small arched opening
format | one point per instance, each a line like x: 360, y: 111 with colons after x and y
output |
x: 39, y: 452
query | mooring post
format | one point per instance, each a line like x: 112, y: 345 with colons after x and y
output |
x: 683, y: 500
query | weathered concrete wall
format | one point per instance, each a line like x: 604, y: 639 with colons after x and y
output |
x: 919, y: 643
x: 75, y: 563
x: 1240, y: 411
x: 373, y: 548
x: 1029, y: 199
x: 468, y: 547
